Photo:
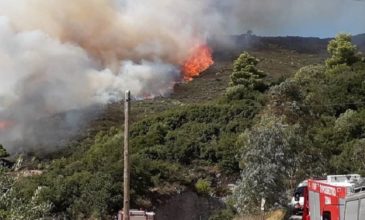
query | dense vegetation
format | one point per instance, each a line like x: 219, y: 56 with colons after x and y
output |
x: 313, y: 123
x: 267, y: 134
x: 170, y: 151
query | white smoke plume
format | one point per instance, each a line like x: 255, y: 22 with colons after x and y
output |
x: 57, y: 57
x: 41, y: 76
x: 63, y: 56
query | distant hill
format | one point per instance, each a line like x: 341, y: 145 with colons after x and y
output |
x: 309, y: 45
x: 359, y: 40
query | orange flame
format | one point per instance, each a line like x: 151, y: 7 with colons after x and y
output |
x: 200, y: 59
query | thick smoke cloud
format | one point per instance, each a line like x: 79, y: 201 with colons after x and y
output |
x: 60, y: 59
x: 116, y: 30
x: 41, y: 77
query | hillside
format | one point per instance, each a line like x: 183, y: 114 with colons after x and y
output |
x: 210, y: 85
x: 279, y: 57
x: 305, y: 118
x: 308, y: 45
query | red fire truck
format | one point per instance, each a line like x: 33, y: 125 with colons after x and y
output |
x: 329, y: 199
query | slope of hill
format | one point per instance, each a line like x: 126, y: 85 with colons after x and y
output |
x: 210, y: 85
x: 197, y: 134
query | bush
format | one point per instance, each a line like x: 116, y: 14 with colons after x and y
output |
x: 3, y: 152
x: 240, y: 92
x: 225, y: 214
x: 15, y: 206
x: 203, y: 187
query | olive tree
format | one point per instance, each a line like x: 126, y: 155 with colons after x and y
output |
x: 267, y: 161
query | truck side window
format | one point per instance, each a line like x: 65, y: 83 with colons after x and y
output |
x: 297, y: 196
x: 298, y: 193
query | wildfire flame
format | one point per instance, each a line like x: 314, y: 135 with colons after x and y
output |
x: 200, y: 59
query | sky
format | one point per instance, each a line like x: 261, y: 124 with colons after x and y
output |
x: 350, y: 20
x: 317, y: 18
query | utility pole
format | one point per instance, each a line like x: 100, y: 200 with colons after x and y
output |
x: 263, y: 201
x: 127, y: 166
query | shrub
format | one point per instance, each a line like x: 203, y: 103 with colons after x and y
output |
x: 203, y: 187
x: 3, y: 152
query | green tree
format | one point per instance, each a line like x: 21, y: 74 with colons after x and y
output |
x: 286, y: 99
x: 313, y: 83
x: 267, y: 161
x: 3, y: 152
x: 351, y: 160
x: 246, y: 73
x: 14, y: 206
x: 346, y: 88
x: 342, y: 51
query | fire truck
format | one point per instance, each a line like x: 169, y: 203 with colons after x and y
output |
x: 338, y: 197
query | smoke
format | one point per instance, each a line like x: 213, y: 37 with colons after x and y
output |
x: 61, y: 59
x: 117, y: 30
x: 42, y: 77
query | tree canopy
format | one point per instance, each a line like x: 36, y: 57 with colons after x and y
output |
x: 342, y: 51
x: 246, y: 73
x: 266, y: 160
x: 312, y: 125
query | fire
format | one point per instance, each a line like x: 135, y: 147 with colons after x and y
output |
x: 200, y: 59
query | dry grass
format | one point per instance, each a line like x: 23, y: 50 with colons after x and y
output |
x: 275, y: 215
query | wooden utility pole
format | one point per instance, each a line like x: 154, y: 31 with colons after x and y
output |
x: 127, y: 165
x: 263, y: 201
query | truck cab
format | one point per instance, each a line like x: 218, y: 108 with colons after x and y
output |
x: 335, y: 198
x: 297, y: 201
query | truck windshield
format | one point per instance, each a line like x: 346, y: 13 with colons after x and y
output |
x: 299, y: 191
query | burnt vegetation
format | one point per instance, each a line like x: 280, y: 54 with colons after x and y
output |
x: 266, y: 121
